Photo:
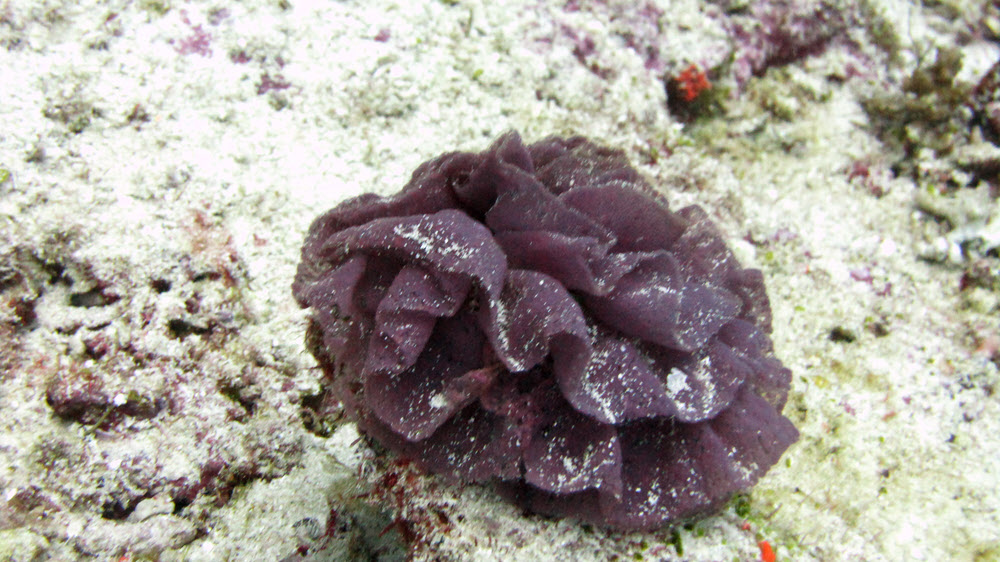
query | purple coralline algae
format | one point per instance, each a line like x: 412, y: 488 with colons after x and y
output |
x: 538, y: 318
x: 777, y: 33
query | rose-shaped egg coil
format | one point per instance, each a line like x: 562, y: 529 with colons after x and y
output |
x: 538, y: 317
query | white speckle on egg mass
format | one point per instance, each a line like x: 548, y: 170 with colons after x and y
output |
x: 677, y: 382
x: 438, y: 401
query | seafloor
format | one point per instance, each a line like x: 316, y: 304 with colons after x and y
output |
x: 160, y: 161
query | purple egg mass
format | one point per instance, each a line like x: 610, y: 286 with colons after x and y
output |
x: 536, y: 317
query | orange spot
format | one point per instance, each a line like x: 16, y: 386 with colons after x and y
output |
x: 766, y: 554
x: 692, y: 81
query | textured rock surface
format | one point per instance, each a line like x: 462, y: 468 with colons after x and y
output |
x: 159, y: 161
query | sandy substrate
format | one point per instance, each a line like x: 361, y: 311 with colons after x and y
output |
x: 160, y: 162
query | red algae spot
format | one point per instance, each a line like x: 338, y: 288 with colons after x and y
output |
x: 766, y: 552
x: 199, y: 42
x: 690, y: 94
x: 240, y: 57
x: 691, y: 82
x: 270, y: 83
